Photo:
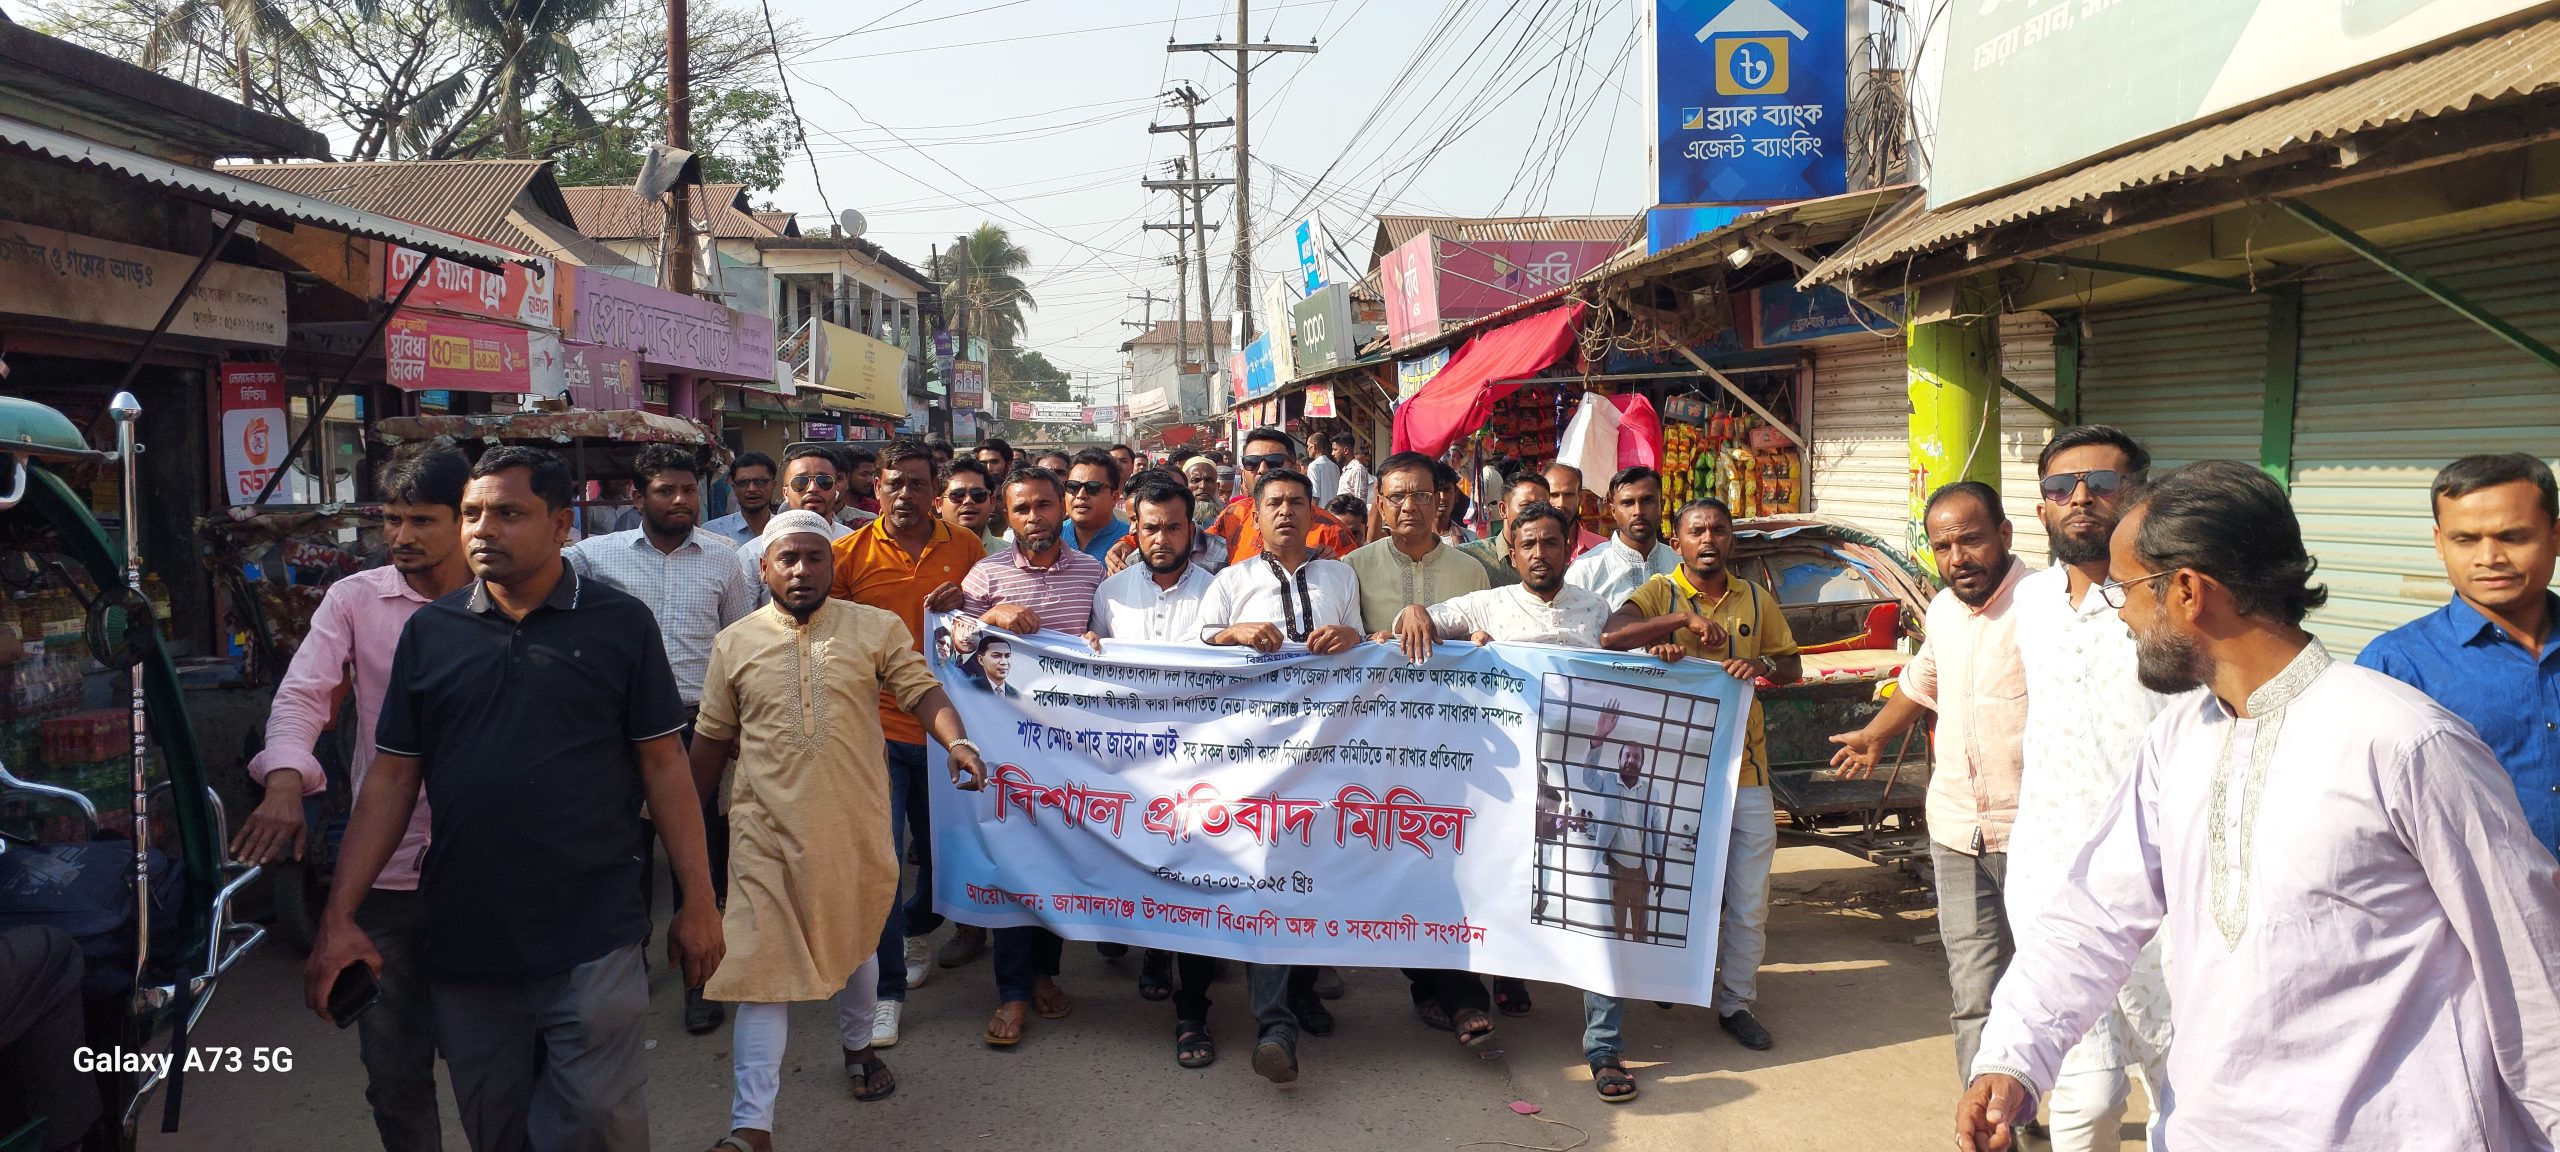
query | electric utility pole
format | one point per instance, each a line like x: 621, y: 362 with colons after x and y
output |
x: 1244, y: 48
x: 1148, y: 313
x: 679, y: 244
x: 1187, y: 182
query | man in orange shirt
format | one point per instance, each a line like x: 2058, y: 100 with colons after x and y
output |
x: 905, y: 562
x: 1267, y: 450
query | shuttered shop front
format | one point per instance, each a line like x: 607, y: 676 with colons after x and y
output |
x: 1862, y: 436
x: 2393, y: 387
x: 2026, y: 360
x: 2183, y: 374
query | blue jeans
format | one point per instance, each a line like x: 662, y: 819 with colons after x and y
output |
x: 908, y: 804
x: 1600, y: 1026
x: 1022, y: 957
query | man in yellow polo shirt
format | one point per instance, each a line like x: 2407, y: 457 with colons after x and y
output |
x: 1700, y: 609
x: 906, y: 561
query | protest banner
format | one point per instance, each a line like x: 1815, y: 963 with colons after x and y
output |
x: 1546, y: 813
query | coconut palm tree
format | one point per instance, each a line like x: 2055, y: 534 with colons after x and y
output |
x: 252, y: 26
x: 535, y: 43
x: 981, y: 275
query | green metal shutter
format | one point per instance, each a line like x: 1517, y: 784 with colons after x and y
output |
x: 2183, y: 374
x: 1862, y: 436
x: 2393, y: 387
x: 2026, y: 360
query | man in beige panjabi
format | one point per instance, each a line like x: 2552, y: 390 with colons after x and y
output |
x: 793, y: 691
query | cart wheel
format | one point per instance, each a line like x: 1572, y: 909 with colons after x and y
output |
x: 301, y: 891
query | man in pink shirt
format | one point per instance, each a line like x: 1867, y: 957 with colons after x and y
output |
x: 1969, y: 673
x: 349, y: 649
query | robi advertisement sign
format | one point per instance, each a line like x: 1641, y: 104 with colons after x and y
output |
x: 255, y: 434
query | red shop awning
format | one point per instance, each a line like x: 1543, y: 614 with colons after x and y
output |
x: 1460, y: 399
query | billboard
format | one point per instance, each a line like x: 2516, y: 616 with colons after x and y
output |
x: 1310, y: 259
x: 1430, y: 278
x: 1260, y: 375
x: 519, y: 295
x: 1324, y: 337
x: 255, y: 431
x: 670, y: 330
x: 1751, y: 98
x: 1782, y: 314
x: 871, y: 371
x: 426, y: 350
x: 968, y: 384
x: 2134, y: 71
x: 1411, y: 282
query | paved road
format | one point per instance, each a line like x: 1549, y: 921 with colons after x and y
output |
x: 1863, y: 1061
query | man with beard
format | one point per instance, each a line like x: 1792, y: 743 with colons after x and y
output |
x: 997, y: 455
x: 1093, y: 503
x: 1635, y: 553
x: 861, y: 478
x: 1038, y: 583
x: 1283, y: 595
x: 1702, y: 609
x: 691, y: 582
x: 2086, y: 712
x: 1158, y: 601
x: 905, y: 563
x: 1494, y: 552
x: 2367, y: 933
x: 1356, y: 478
x: 797, y: 692
x: 2492, y: 655
x: 1967, y: 671
x: 812, y: 481
x: 353, y: 634
x: 537, y: 707
x: 751, y: 477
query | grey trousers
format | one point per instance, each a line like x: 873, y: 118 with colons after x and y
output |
x: 554, y: 1064
x: 1976, y: 934
x: 397, y: 1036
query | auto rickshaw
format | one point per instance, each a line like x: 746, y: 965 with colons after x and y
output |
x: 148, y: 891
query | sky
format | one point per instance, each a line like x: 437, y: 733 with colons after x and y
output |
x: 931, y: 116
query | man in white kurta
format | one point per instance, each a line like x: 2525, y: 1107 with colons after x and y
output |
x: 2367, y: 932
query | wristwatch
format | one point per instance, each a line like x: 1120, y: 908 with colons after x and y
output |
x: 965, y: 742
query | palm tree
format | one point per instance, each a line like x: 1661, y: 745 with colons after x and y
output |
x: 535, y: 45
x: 252, y: 24
x: 982, y: 285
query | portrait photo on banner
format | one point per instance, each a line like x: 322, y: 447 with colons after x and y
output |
x: 1622, y: 779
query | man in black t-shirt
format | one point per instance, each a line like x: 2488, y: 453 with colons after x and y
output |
x: 538, y: 711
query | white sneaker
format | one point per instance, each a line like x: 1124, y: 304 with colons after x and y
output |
x: 919, y: 961
x: 884, y: 1023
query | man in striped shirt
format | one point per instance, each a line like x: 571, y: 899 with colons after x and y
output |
x: 1038, y: 583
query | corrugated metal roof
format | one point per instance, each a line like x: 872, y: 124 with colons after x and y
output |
x: 254, y: 199
x: 615, y: 212
x: 466, y: 196
x: 1395, y: 230
x: 1163, y: 333
x: 2462, y: 77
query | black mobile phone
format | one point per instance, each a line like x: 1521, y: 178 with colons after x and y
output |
x: 354, y: 992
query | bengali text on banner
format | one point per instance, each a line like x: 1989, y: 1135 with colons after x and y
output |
x: 1546, y: 813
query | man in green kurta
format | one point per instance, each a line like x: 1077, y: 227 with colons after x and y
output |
x: 793, y: 691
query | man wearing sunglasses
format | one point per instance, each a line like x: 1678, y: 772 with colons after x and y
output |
x: 1093, y: 503
x: 1269, y: 450
x: 812, y: 481
x: 2086, y: 714
x: 1967, y: 671
x: 969, y: 502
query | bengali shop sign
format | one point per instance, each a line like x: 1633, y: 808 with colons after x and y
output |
x: 520, y: 294
x: 423, y: 351
x: 1751, y: 99
x: 672, y: 331
x: 66, y: 276
x: 255, y: 433
x: 1525, y: 811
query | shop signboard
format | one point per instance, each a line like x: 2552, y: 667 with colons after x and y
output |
x: 669, y: 330
x: 65, y: 276
x: 600, y: 379
x: 423, y: 350
x: 813, y: 430
x: 1324, y: 332
x: 1783, y: 314
x: 1320, y: 402
x: 1410, y: 279
x: 1480, y: 279
x: 520, y: 294
x: 968, y: 384
x: 871, y: 372
x: 1019, y: 410
x: 1279, y: 321
x: 1101, y: 414
x: 942, y: 343
x: 1148, y: 403
x: 1751, y: 99
x: 1310, y: 260
x: 1049, y: 411
x: 255, y: 432
x: 2032, y: 86
x: 1413, y: 373
x: 1235, y: 378
x: 964, y: 426
x: 1259, y: 375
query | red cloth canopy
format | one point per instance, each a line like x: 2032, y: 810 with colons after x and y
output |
x: 1460, y: 399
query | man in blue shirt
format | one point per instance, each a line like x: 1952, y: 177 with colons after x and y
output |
x: 2491, y: 655
x: 1093, y: 504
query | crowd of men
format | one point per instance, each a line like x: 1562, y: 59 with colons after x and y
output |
x: 2108, y: 729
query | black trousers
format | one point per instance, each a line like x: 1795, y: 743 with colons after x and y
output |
x: 40, y: 1026
x: 1452, y: 990
x: 1192, y: 977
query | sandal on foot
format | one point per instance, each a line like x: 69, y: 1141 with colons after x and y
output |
x: 1434, y: 1016
x: 1472, y: 1026
x: 1608, y: 1073
x: 867, y: 1075
x: 1192, y: 1047
x: 1051, y: 1002
x: 1511, y: 996
x: 732, y: 1142
x: 1009, y: 1012
x: 1155, y: 982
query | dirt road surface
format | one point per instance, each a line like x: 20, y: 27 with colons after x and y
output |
x: 1854, y: 989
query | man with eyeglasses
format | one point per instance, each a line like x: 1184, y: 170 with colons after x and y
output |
x: 969, y: 500
x: 2086, y: 714
x: 2364, y: 924
x: 1285, y: 594
x: 1269, y: 450
x: 1968, y: 672
x: 907, y: 563
x: 1093, y: 503
x: 812, y: 481
x: 751, y: 477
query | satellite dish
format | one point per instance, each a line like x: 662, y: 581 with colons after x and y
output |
x: 850, y: 224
